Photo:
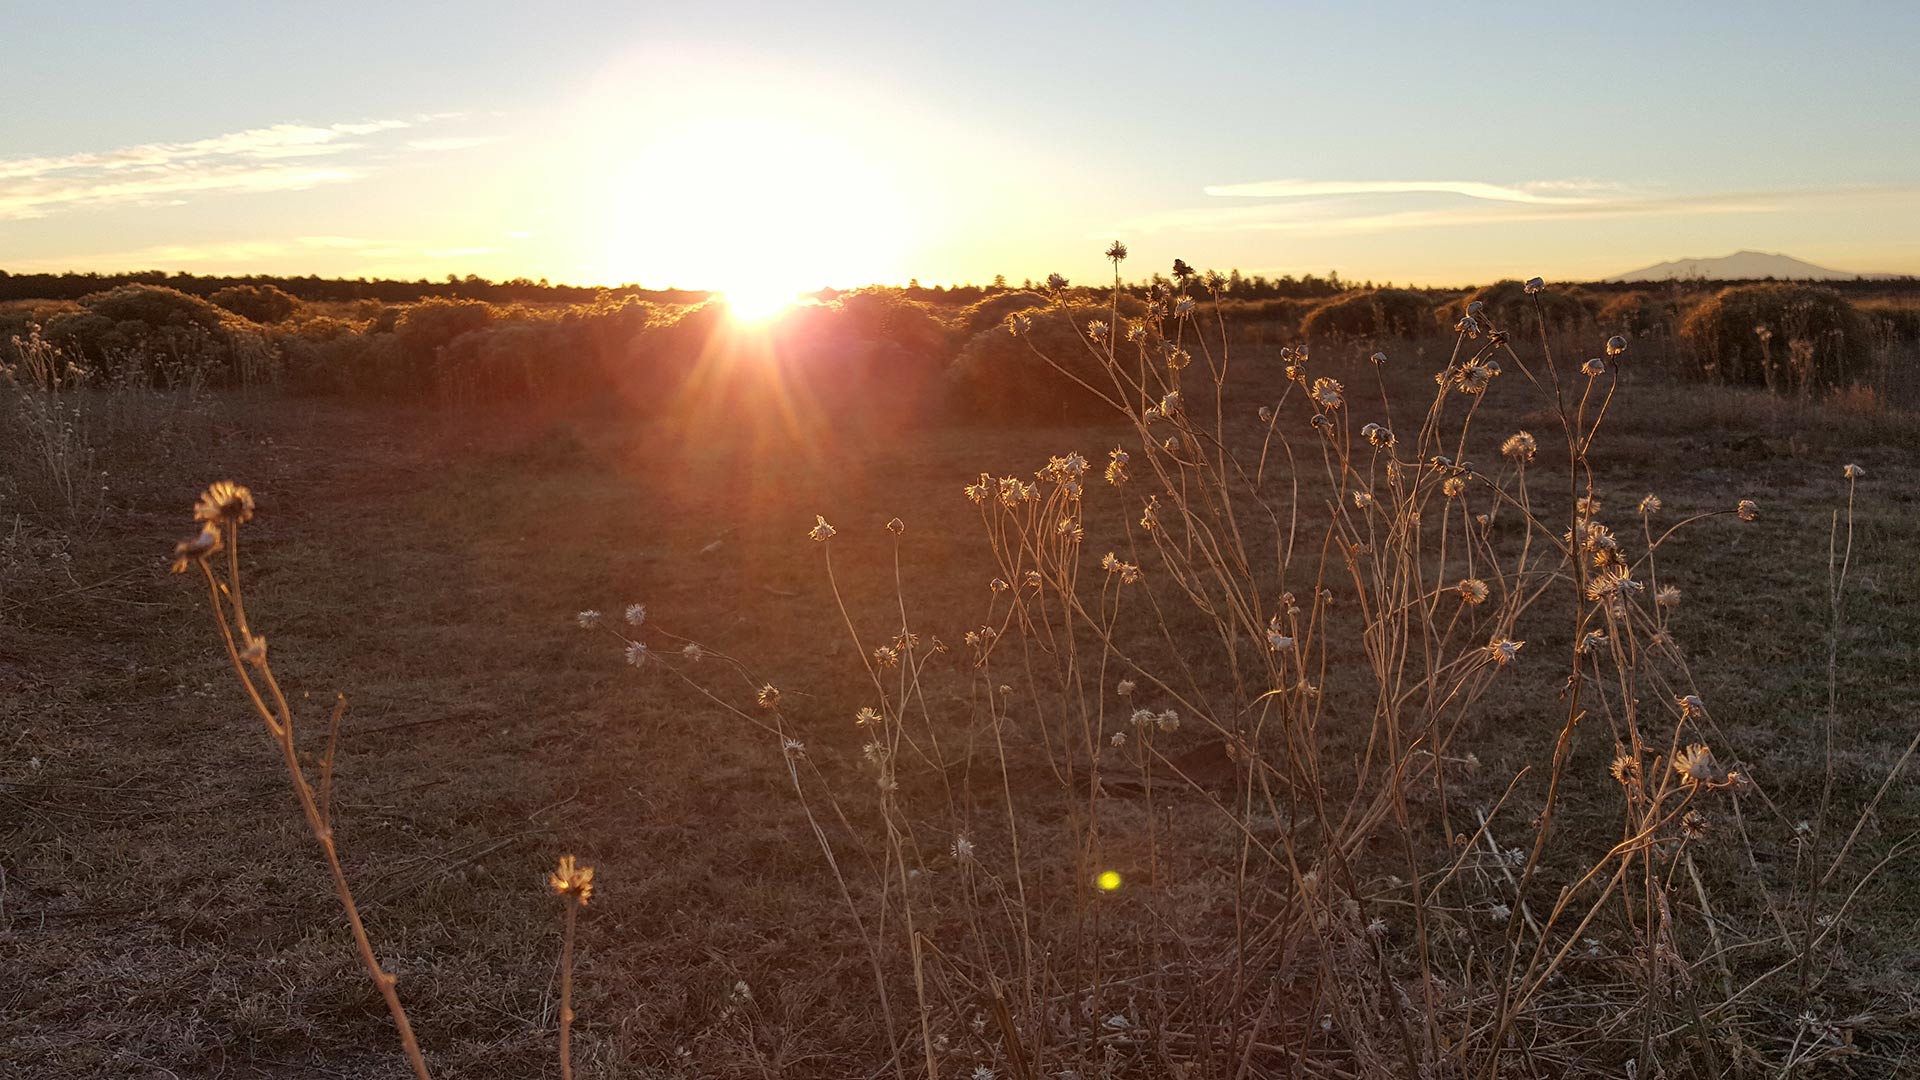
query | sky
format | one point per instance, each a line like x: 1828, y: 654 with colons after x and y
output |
x: 785, y: 146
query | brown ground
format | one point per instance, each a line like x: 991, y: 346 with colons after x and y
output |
x: 163, y: 912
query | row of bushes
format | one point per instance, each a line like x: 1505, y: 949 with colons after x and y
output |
x: 1776, y: 335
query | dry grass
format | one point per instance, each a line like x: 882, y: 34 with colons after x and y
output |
x: 165, y: 911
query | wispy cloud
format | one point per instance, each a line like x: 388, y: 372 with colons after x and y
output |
x: 1555, y: 193
x: 452, y: 142
x: 281, y: 157
x: 293, y: 254
x: 1361, y: 207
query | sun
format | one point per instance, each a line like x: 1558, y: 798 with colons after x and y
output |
x: 756, y: 302
x: 752, y: 196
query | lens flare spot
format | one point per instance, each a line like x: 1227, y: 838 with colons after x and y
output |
x: 1109, y: 880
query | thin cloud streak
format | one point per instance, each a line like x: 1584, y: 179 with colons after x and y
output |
x: 1319, y: 215
x: 1535, y: 194
x: 291, y: 252
x: 273, y: 158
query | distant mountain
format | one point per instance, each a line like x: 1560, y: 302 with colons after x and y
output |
x: 1740, y: 266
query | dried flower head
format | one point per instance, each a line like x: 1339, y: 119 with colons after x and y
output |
x: 1612, y: 581
x: 253, y: 648
x: 1327, y: 393
x: 1650, y: 505
x: 1747, y: 509
x: 1616, y: 345
x: 1469, y: 326
x: 1474, y: 375
x: 866, y: 717
x: 1697, y: 765
x: 1124, y: 688
x: 1625, y: 767
x: 1535, y: 285
x: 1472, y: 590
x: 224, y: 501
x: 1116, y: 251
x: 767, y: 697
x: 572, y: 880
x: 1695, y: 826
x: 196, y: 548
x: 1276, y: 640
x: 635, y: 614
x: 1667, y: 596
x: 1504, y: 651
x: 587, y: 619
x: 896, y: 526
x: 821, y: 531
x: 1594, y: 368
x: 636, y: 653
x: 1520, y: 446
x: 1853, y: 472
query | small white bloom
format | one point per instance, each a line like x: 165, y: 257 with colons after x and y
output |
x: 588, y: 619
x: 636, y: 614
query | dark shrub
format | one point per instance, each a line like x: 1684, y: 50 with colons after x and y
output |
x: 352, y: 363
x: 1284, y: 311
x: 258, y: 303
x: 423, y: 329
x: 1784, y: 337
x: 882, y: 315
x: 1509, y: 308
x: 1375, y: 314
x: 999, y: 375
x: 993, y: 311
x: 1638, y: 315
x: 161, y: 334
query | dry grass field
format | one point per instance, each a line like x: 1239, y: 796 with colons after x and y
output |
x: 163, y: 912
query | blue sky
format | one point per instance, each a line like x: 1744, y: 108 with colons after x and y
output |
x: 811, y: 144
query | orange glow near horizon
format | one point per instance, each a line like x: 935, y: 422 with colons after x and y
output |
x: 753, y: 304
